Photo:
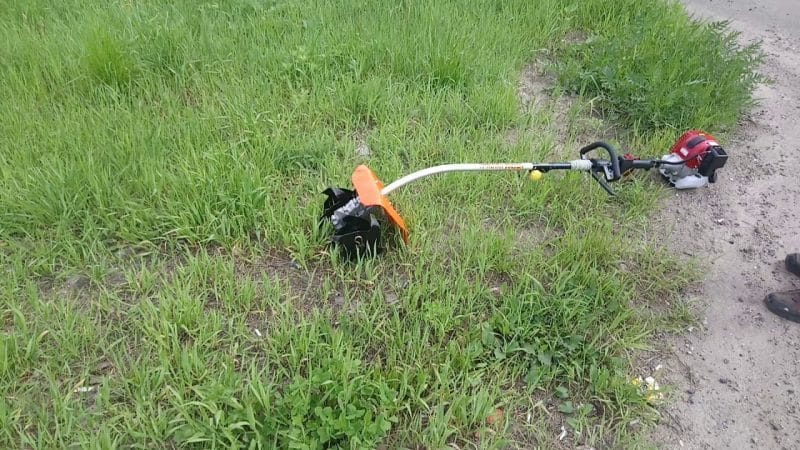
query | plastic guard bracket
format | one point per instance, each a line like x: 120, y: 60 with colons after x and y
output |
x: 369, y: 187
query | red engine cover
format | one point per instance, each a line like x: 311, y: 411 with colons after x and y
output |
x: 692, y: 145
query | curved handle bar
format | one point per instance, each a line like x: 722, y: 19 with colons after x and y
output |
x: 616, y: 174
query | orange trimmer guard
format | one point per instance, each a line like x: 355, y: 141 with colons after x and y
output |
x: 368, y: 187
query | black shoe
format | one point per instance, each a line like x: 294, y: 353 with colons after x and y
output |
x: 793, y: 263
x: 785, y: 304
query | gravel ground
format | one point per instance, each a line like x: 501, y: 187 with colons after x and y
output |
x: 737, y: 378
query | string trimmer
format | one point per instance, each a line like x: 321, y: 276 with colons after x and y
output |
x: 356, y: 214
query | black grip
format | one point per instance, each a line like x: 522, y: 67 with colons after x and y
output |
x: 612, y: 157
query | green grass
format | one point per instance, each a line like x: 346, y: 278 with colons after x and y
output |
x: 664, y: 73
x: 164, y: 283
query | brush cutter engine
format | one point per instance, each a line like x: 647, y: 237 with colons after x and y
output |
x: 693, y: 160
x: 357, y: 215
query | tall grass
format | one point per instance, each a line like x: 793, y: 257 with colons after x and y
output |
x: 654, y: 70
x: 164, y: 282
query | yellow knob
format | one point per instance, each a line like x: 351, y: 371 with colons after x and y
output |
x: 535, y: 175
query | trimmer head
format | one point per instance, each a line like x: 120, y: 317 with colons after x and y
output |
x: 356, y: 215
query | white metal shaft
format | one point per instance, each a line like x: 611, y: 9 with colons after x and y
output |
x: 454, y: 168
x: 578, y: 164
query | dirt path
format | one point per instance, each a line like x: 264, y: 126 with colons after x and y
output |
x: 739, y: 377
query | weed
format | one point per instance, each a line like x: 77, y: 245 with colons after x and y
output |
x: 107, y: 58
x: 649, y: 86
